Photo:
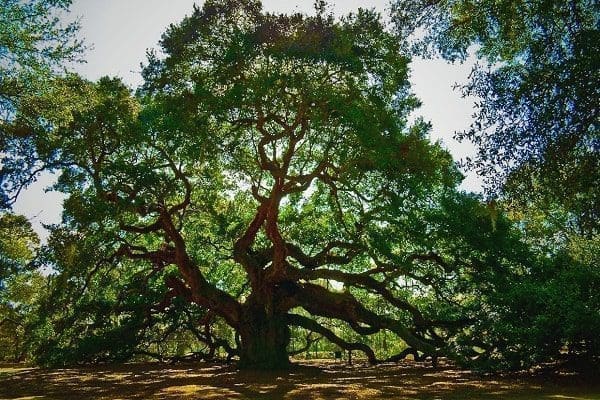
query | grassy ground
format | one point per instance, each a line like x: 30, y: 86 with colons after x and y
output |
x: 337, y: 381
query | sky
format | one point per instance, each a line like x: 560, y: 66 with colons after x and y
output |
x: 118, y: 33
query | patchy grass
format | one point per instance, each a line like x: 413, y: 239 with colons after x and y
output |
x: 314, y: 381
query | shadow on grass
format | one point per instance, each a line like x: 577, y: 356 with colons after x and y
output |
x: 407, y: 380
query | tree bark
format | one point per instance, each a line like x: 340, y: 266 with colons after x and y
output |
x: 264, y: 338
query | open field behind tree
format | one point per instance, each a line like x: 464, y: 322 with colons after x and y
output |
x: 322, y: 379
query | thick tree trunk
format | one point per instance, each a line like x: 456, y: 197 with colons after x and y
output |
x: 264, y: 340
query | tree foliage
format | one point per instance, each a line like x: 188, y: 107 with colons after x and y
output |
x: 35, y: 48
x: 17, y: 244
x: 536, y: 125
x: 20, y: 283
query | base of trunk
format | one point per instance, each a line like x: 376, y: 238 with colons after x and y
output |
x: 264, y: 342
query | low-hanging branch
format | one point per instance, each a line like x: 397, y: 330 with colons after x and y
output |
x: 309, y: 324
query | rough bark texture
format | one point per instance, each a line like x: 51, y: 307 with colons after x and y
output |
x: 264, y: 340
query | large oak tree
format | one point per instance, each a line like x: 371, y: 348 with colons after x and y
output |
x: 271, y: 160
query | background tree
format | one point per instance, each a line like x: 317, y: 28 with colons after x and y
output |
x: 18, y: 242
x: 20, y: 283
x: 35, y: 49
x: 536, y: 128
x: 536, y: 125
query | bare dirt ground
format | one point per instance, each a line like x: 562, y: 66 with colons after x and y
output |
x: 322, y: 380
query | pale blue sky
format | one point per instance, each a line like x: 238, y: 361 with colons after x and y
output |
x: 120, y: 31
